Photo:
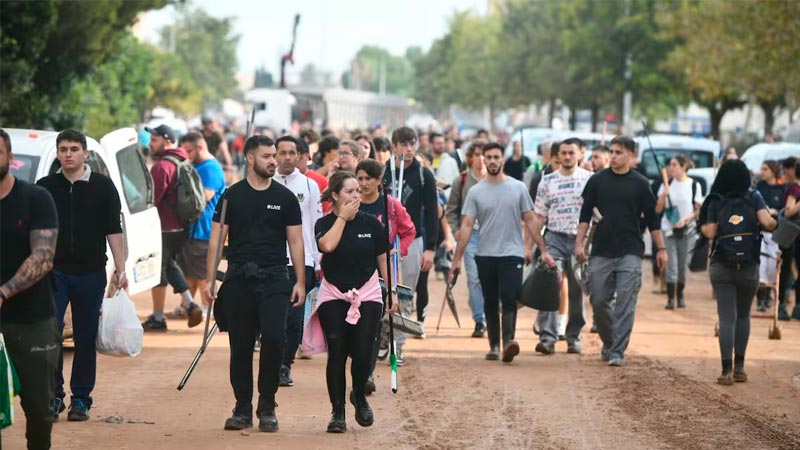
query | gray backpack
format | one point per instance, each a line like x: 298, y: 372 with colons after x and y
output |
x: 191, y: 199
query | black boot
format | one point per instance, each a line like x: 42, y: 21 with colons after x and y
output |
x: 241, y: 419
x: 364, y: 415
x: 337, y: 423
x: 510, y: 346
x: 796, y: 312
x: 670, y: 296
x: 267, y: 420
x: 681, y: 302
x: 739, y: 375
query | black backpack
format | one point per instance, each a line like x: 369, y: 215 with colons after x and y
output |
x: 738, y: 242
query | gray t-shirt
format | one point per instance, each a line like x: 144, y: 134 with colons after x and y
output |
x: 499, y: 208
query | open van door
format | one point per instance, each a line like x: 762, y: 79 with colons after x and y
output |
x: 140, y: 222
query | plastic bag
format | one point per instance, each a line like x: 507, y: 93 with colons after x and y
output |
x: 9, y: 386
x: 119, y: 332
x: 542, y: 288
x: 310, y: 304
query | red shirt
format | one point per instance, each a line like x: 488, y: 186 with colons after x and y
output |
x: 322, y: 182
x: 165, y: 187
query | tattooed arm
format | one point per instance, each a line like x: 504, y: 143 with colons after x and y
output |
x: 37, y: 265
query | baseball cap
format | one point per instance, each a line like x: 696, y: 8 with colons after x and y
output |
x: 163, y: 131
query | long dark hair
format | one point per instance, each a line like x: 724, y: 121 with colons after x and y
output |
x: 733, y: 179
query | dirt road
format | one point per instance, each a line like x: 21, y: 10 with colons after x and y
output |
x: 451, y: 398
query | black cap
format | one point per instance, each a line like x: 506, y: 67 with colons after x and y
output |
x: 163, y: 131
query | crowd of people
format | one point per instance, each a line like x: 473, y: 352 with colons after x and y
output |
x: 327, y: 212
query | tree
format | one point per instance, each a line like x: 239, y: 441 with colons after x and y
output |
x: 206, y: 47
x: 367, y: 66
x: 47, y: 46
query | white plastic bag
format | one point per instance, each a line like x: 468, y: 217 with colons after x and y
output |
x: 119, y: 332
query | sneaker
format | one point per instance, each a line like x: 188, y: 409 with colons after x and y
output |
x: 421, y: 336
x: 510, y: 350
x: 562, y: 337
x: 739, y: 375
x: 78, y: 410
x: 383, y: 353
x: 536, y: 330
x: 195, y: 315
x: 58, y: 408
x: 616, y: 361
x: 480, y: 330
x: 593, y: 329
x: 574, y: 347
x: 762, y: 306
x: 238, y: 421
x: 726, y: 379
x: 494, y: 354
x: 545, y: 348
x: 151, y: 324
x: 178, y: 313
x: 782, y: 314
x: 370, y: 386
x: 301, y: 355
x: 604, y: 355
x: 401, y: 361
x: 285, y: 377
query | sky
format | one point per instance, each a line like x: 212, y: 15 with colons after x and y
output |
x: 330, y: 31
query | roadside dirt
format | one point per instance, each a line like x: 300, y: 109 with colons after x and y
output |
x: 451, y: 398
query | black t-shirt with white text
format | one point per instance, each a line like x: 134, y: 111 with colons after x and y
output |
x: 257, y: 222
x: 27, y: 207
x: 353, y: 262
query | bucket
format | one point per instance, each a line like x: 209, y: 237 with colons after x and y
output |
x: 786, y: 232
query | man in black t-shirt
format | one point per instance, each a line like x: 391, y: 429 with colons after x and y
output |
x: 28, y: 235
x: 622, y: 196
x: 261, y: 217
x: 89, y: 214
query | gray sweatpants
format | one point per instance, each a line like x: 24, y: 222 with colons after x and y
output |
x: 678, y: 257
x: 614, y: 320
x: 561, y: 247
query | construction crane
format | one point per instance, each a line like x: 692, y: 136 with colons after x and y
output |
x: 289, y: 56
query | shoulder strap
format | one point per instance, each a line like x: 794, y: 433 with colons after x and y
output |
x: 173, y: 160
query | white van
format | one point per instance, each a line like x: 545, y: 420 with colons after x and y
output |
x: 117, y: 156
x: 703, y: 152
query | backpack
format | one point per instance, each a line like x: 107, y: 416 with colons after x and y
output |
x: 738, y: 242
x: 191, y: 199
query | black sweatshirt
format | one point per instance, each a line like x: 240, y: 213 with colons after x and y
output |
x: 419, y: 201
x: 621, y: 199
x: 88, y: 211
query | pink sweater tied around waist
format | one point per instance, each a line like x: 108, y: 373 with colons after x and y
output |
x: 313, y: 335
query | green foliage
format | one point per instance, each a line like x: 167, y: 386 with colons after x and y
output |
x: 263, y: 79
x: 368, y: 62
x: 206, y: 47
x: 47, y: 46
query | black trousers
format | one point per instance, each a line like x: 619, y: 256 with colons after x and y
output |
x: 345, y: 339
x: 255, y: 306
x: 422, y: 296
x: 34, y: 349
x: 501, y: 280
x: 294, y: 320
x: 788, y: 256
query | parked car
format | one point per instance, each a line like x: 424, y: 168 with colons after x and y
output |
x: 117, y: 156
x: 703, y: 152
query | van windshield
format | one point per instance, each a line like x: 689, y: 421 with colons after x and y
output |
x: 700, y: 158
x: 23, y: 167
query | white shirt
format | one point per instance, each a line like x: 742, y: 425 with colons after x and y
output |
x: 559, y: 199
x: 447, y: 171
x: 307, y: 192
x: 680, y: 194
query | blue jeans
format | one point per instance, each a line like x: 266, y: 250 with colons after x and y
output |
x: 294, y: 319
x: 84, y: 291
x: 473, y: 282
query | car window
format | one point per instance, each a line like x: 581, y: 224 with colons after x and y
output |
x: 97, y: 164
x: 700, y: 158
x: 23, y: 167
x: 136, y: 182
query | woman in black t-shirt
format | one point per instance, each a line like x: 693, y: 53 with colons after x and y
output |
x: 354, y: 246
x: 734, y: 285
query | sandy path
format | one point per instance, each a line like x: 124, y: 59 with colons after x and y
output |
x: 451, y: 398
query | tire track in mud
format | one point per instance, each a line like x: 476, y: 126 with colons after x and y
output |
x: 687, y: 414
x: 465, y: 410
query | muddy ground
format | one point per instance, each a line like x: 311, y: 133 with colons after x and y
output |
x: 451, y: 398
